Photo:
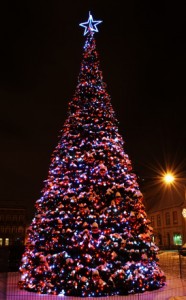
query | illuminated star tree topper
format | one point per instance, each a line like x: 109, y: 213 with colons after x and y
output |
x: 90, y: 25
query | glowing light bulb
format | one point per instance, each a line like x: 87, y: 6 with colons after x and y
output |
x: 169, y: 178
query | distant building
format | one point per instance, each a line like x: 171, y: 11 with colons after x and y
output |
x: 12, y: 226
x: 167, y: 220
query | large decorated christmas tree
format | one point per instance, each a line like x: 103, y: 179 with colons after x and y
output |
x: 90, y: 235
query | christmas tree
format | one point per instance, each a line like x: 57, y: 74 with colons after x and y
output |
x: 90, y: 235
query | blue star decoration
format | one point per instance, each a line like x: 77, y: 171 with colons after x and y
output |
x: 90, y: 25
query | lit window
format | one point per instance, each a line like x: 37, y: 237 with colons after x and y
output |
x: 158, y: 220
x: 177, y: 239
x: 1, y: 242
x: 167, y: 218
x: 7, y: 242
x: 175, y: 217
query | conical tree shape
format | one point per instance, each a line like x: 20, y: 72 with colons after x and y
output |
x: 90, y: 235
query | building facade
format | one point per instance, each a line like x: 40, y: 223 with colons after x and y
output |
x: 168, y: 225
x: 12, y: 226
x: 167, y: 219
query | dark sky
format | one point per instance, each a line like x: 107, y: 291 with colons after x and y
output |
x: 142, y: 48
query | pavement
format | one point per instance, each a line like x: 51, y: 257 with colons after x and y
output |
x: 175, y: 289
x: 178, y: 298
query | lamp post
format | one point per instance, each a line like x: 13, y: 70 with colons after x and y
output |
x: 184, y: 217
x: 170, y: 179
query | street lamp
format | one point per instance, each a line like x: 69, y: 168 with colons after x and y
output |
x: 184, y: 228
x: 171, y: 181
x: 168, y: 178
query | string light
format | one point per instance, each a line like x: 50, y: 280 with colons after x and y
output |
x: 90, y: 235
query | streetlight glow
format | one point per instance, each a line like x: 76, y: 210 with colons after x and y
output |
x: 169, y: 178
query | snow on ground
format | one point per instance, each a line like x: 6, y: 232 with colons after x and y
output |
x: 174, y: 287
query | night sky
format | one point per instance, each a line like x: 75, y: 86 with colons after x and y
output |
x: 142, y: 49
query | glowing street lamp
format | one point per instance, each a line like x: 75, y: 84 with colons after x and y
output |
x: 173, y: 182
x: 168, y: 178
